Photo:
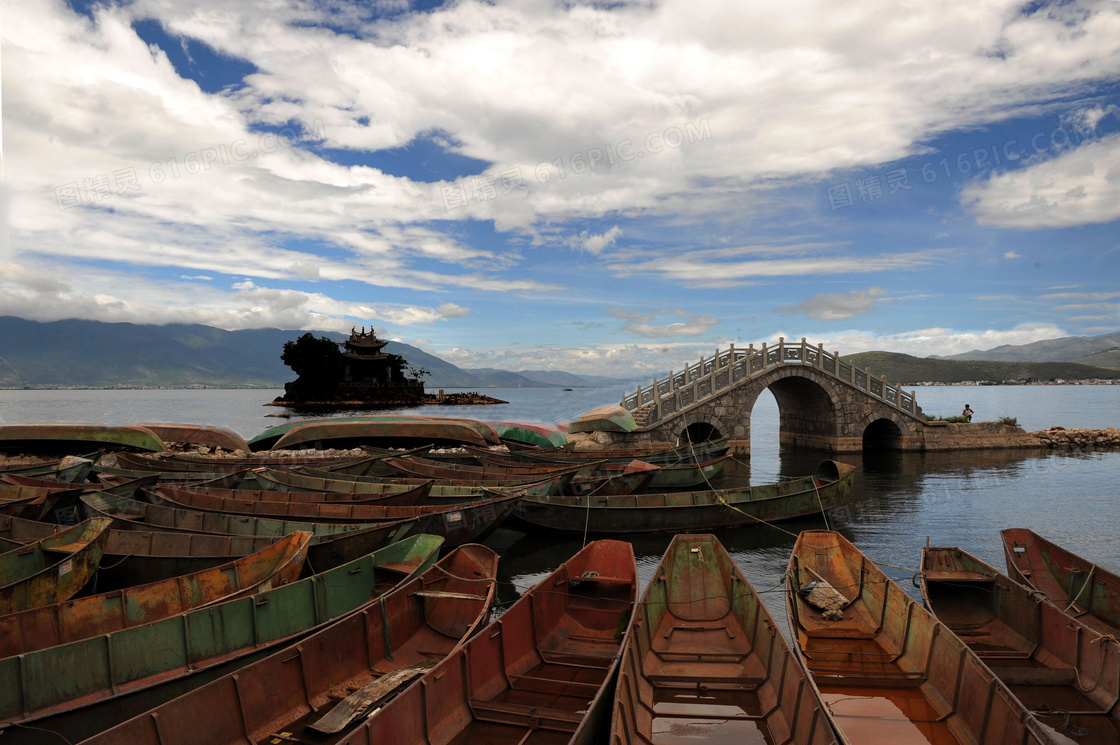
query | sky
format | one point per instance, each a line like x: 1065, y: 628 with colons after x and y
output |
x: 605, y: 188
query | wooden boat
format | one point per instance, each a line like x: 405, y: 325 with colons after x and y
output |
x: 76, y: 438
x: 34, y: 502
x: 456, y: 524
x: 688, y: 475
x: 377, y: 495
x: 109, y: 473
x: 325, y: 686
x: 70, y: 469
x: 612, y: 418
x: 613, y: 479
x: 81, y: 618
x: 369, y: 430
x: 1086, y: 591
x: 71, y: 676
x: 277, y: 495
x: 541, y: 673
x: 693, y: 510
x: 196, y: 434
x: 481, y: 476
x: 886, y: 669
x: 135, y: 557
x: 53, y: 569
x: 1048, y: 660
x: 536, y: 435
x: 705, y: 662
x: 331, y: 543
x: 440, y: 493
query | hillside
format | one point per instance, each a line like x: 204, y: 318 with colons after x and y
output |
x: 904, y: 369
x: 1066, y: 349
x: 1109, y: 358
x: 80, y: 354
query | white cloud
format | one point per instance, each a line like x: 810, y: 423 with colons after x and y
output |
x: 594, y: 243
x: 638, y: 323
x: 1080, y: 186
x: 1012, y: 255
x: 836, y: 307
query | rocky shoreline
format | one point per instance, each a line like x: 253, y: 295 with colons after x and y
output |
x: 1060, y: 438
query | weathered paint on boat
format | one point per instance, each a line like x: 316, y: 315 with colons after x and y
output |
x: 298, y: 692
x: 67, y: 677
x: 613, y: 479
x: 77, y: 437
x: 705, y: 662
x: 457, y: 524
x: 81, y: 618
x: 185, y: 464
x: 888, y: 672
x: 331, y: 543
x: 1048, y: 660
x: 134, y: 557
x: 543, y: 672
x: 53, y: 569
x: 604, y: 419
x: 693, y: 510
x: 691, y: 453
x: 346, y: 431
x: 196, y: 434
x: 34, y: 502
x: 1088, y: 592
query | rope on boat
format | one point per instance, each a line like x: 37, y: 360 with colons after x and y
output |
x: 1088, y: 582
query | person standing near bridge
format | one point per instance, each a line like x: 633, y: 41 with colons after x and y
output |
x: 967, y: 413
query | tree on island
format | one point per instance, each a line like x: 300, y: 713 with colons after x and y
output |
x: 317, y: 361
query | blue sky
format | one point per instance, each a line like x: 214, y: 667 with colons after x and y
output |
x: 610, y: 189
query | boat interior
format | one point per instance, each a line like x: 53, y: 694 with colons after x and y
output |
x: 705, y: 661
x: 887, y: 670
x: 1060, y: 671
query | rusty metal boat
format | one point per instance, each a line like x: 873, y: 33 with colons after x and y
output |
x: 541, y: 673
x: 71, y: 676
x: 331, y: 543
x: 327, y: 685
x: 1062, y: 671
x: 375, y: 430
x: 196, y: 434
x: 81, y: 618
x: 888, y: 672
x: 692, y: 510
x: 53, y: 569
x: 705, y: 662
x: 1086, y: 591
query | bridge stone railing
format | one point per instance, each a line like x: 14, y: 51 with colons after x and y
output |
x: 713, y: 375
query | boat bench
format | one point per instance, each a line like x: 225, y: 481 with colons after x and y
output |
x: 532, y: 717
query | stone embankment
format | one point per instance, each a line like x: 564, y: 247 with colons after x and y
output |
x: 1060, y: 438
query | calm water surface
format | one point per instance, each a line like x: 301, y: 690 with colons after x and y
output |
x: 961, y: 499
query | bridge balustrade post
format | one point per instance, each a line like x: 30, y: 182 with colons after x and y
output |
x: 820, y: 356
x: 851, y: 373
x: 804, y: 354
x: 765, y: 355
x: 781, y: 350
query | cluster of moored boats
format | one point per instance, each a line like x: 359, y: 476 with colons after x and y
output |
x: 303, y: 599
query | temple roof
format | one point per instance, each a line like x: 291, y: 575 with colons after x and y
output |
x: 363, y: 343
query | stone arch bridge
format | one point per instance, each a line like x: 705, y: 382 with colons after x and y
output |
x: 823, y: 402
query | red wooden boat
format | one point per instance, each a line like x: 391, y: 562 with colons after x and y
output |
x: 542, y: 673
x: 1088, y: 592
x: 320, y: 689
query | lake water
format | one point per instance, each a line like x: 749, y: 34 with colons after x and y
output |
x: 960, y: 498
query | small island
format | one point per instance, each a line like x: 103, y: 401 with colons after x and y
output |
x: 360, y: 375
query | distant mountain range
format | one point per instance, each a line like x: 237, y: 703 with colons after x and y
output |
x: 1099, y: 351
x: 904, y: 369
x: 81, y: 354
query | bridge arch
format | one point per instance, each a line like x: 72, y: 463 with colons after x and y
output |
x: 883, y: 433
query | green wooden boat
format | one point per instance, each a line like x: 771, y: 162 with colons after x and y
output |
x: 68, y: 677
x: 53, y: 569
x: 675, y: 512
x: 530, y: 434
x: 604, y: 419
x: 77, y: 438
x: 462, y: 491
x: 363, y: 429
